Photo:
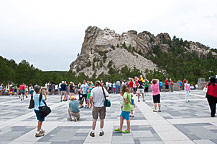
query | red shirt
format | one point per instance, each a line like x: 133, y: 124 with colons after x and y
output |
x: 131, y: 83
x: 184, y: 81
x: 212, y: 90
x: 166, y: 82
x: 22, y: 87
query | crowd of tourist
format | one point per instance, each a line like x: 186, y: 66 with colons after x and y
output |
x: 93, y: 96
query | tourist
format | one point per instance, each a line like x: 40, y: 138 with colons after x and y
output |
x: 80, y: 98
x: 22, y: 91
x: 156, y: 94
x: 140, y: 89
x: 15, y: 89
x: 88, y: 98
x: 31, y: 90
x: 161, y: 85
x: 114, y: 87
x: 132, y: 106
x: 53, y: 87
x: 135, y: 84
x: 171, y: 85
x: 179, y: 84
x: 166, y: 85
x: 39, y: 101
x: 84, y: 88
x: 187, y: 91
x: 73, y: 109
x: 118, y: 87
x: 146, y: 87
x: 211, y: 95
x: 125, y: 113
x: 192, y: 87
x: 26, y: 91
x: 110, y: 87
x: 1, y: 89
x: 63, y: 91
x: 131, y: 85
x: 97, y: 99
x: 71, y: 89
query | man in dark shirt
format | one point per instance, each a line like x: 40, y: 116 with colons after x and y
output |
x: 140, y: 89
x: 63, y: 91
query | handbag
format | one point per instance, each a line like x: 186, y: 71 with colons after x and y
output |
x: 43, y: 110
x: 31, y: 103
x: 107, y: 103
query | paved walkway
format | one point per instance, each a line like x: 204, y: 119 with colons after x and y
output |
x: 179, y: 122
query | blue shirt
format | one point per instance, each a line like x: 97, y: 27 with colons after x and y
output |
x: 84, y: 88
x: 161, y: 84
x: 36, y: 101
x: 74, y: 106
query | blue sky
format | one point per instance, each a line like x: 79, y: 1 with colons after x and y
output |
x: 49, y: 33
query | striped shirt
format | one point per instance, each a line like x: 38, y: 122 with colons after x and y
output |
x: 98, y: 96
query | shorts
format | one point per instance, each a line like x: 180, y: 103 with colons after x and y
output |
x: 80, y: 97
x: 140, y: 90
x: 22, y: 92
x: 135, y: 89
x: 14, y: 90
x: 88, y: 100
x: 31, y: 92
x: 125, y: 115
x: 63, y: 92
x: 38, y: 117
x: 72, y: 91
x: 156, y: 98
x: 167, y: 86
x: 84, y: 96
x: 75, y: 114
x: 146, y: 89
x: 99, y: 111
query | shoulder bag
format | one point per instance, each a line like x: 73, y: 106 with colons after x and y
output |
x: 43, y: 110
x: 107, y: 103
x: 31, y: 103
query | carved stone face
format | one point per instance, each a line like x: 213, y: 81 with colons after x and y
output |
x: 106, y: 31
x: 112, y: 33
x: 125, y: 36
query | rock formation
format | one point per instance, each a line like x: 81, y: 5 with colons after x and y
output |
x: 127, y: 49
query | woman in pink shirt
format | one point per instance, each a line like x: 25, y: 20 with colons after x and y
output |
x: 156, y: 94
x: 187, y: 91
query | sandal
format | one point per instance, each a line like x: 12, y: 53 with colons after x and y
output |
x: 159, y: 110
x: 118, y: 130
x: 154, y: 111
x: 126, y: 131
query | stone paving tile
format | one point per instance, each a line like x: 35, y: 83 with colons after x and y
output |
x: 173, y: 107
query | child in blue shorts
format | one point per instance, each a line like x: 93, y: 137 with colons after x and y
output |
x: 125, y: 114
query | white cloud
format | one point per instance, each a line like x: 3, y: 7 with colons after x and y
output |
x: 49, y: 33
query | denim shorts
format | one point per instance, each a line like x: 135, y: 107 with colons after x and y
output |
x: 38, y: 117
x: 125, y: 115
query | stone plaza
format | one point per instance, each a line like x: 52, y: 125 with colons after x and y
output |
x: 178, y: 123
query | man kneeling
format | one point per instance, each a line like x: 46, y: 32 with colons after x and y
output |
x: 73, y: 109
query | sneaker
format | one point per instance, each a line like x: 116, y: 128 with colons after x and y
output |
x: 143, y: 100
x: 39, y: 134
x: 75, y: 119
x: 101, y: 133
x: 92, y: 134
x: 42, y: 131
x: 138, y: 100
x: 132, y: 115
x: 69, y: 119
